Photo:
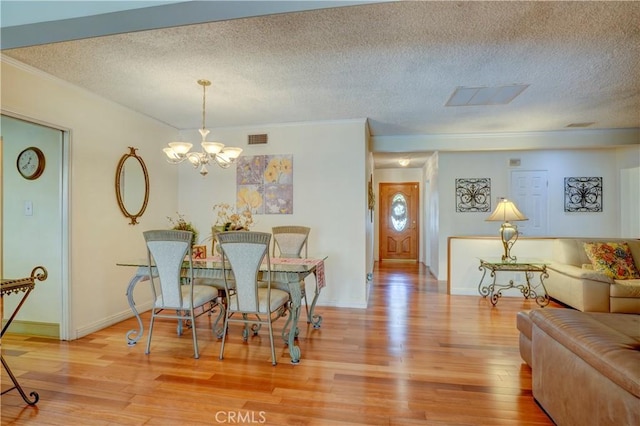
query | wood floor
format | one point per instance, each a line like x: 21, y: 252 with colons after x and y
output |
x: 416, y: 356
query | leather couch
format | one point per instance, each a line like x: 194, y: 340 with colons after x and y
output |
x: 585, y: 365
x: 573, y: 282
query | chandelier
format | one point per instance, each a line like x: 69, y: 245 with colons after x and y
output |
x: 177, y: 152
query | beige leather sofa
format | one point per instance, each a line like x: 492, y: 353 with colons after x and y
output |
x: 572, y: 282
x: 585, y: 365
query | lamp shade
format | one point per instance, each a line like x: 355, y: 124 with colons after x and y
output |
x: 180, y: 147
x: 506, y: 211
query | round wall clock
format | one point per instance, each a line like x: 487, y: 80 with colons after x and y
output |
x: 31, y: 163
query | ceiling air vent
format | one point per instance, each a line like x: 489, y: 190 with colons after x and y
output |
x: 475, y: 96
x: 585, y: 124
x: 257, y: 139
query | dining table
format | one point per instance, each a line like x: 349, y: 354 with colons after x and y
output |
x: 291, y: 271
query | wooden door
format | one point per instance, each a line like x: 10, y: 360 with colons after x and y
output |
x: 398, y: 233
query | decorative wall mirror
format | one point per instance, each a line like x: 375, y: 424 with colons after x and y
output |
x: 132, y: 185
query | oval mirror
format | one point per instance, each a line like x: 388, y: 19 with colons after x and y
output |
x: 132, y: 185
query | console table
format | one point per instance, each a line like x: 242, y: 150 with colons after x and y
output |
x: 529, y: 268
x: 10, y: 286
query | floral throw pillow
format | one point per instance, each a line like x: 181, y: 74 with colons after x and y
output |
x: 612, y: 259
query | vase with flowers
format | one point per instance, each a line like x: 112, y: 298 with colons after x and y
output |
x: 229, y: 219
x: 181, y: 224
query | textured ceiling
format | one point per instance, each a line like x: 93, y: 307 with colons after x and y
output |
x: 394, y: 63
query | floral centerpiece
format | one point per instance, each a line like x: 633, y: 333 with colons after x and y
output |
x: 228, y: 219
x: 181, y: 224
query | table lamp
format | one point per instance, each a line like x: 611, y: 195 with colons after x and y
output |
x: 505, y: 212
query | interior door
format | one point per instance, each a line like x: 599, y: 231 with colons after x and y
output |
x: 529, y: 192
x: 398, y: 233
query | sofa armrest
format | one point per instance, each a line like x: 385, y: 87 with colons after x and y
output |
x: 579, y: 273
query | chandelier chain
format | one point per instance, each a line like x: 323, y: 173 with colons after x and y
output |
x: 204, y: 102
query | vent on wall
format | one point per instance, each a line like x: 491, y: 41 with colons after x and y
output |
x: 257, y: 139
x: 585, y: 124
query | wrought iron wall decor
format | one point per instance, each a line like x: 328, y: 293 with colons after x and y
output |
x: 473, y: 195
x: 583, y: 194
x: 372, y: 198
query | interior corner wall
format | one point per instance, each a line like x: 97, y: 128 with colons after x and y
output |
x: 329, y: 195
x: 98, y: 234
x: 369, y: 220
x: 603, y: 163
x: 433, y: 206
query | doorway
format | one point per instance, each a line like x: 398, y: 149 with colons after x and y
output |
x: 398, y: 221
x: 34, y: 223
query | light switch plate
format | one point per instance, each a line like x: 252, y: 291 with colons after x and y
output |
x: 28, y: 208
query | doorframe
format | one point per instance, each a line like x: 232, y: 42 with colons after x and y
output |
x: 64, y: 206
x: 380, y: 219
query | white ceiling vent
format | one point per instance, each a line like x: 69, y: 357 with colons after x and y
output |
x: 257, y: 139
x: 476, y: 96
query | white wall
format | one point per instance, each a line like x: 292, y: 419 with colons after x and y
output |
x: 329, y: 175
x: 99, y: 235
x: 466, y: 252
x: 605, y: 163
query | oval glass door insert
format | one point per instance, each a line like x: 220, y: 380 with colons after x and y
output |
x: 399, y: 212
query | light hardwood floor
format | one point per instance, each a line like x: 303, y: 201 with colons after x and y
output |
x: 414, y: 356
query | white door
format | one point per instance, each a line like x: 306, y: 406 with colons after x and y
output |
x: 529, y: 192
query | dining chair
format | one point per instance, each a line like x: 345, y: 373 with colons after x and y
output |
x: 166, y: 254
x: 289, y: 241
x: 244, y: 252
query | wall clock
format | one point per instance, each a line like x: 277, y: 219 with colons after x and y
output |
x: 31, y: 163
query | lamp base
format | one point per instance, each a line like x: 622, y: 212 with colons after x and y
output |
x: 509, y: 236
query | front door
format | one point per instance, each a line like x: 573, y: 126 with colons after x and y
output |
x: 398, y: 234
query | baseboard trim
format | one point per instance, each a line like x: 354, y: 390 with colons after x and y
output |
x: 34, y: 328
x: 109, y: 321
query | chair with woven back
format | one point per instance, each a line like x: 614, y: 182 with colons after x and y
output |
x: 244, y: 252
x: 290, y: 241
x: 166, y: 254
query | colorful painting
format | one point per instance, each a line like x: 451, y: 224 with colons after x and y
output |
x: 264, y: 184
